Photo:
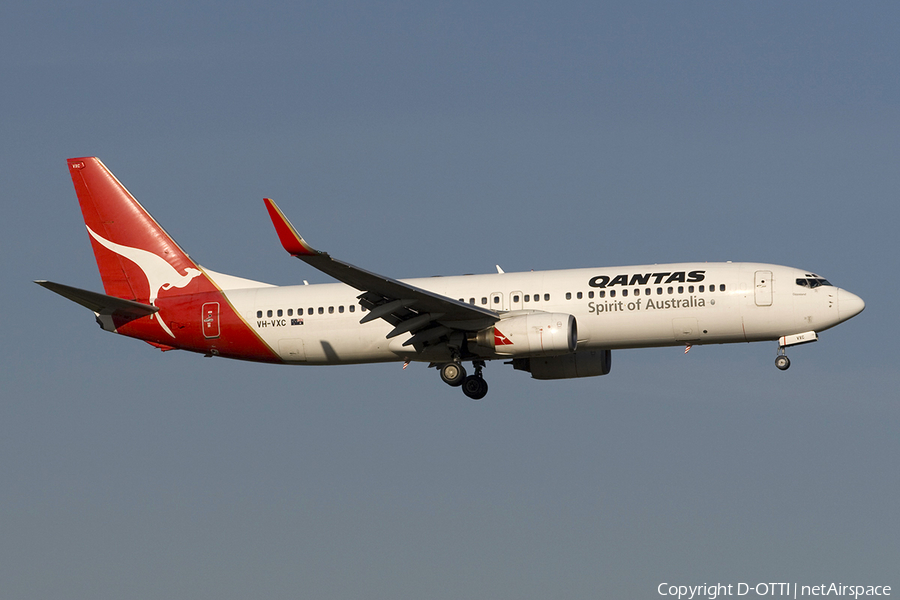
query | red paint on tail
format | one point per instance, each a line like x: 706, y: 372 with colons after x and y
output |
x: 113, y: 214
x: 139, y: 261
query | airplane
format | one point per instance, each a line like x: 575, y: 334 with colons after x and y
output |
x: 552, y: 324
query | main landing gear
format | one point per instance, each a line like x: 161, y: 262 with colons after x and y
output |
x: 473, y: 386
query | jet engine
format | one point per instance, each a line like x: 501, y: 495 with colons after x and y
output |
x: 532, y: 334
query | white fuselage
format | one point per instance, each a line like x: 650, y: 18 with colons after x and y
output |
x: 615, y: 307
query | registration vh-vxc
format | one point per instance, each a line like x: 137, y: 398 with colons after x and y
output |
x: 553, y: 324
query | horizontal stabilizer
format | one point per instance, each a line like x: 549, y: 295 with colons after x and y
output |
x: 101, y: 303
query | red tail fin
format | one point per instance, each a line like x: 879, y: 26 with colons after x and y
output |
x: 139, y: 261
x: 136, y: 257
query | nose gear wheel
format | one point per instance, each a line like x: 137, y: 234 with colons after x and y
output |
x: 782, y: 361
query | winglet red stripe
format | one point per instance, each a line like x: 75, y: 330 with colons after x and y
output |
x: 290, y: 239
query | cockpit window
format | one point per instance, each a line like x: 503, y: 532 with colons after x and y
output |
x: 812, y: 282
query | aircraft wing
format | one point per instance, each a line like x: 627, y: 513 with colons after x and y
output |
x: 429, y: 316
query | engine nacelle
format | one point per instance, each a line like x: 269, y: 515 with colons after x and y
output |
x: 587, y: 363
x: 532, y: 334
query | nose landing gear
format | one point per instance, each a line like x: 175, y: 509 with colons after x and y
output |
x: 782, y: 361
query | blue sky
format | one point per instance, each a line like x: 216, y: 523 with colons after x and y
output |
x: 417, y: 139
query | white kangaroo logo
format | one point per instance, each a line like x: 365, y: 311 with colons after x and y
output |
x: 160, y: 274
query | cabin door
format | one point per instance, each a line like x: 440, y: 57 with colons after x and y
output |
x: 209, y: 318
x: 763, y: 288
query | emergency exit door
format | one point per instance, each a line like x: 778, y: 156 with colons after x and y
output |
x: 496, y: 301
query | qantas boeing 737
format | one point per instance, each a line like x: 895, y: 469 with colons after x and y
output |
x: 552, y: 324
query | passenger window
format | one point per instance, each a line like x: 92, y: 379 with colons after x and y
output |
x: 290, y: 312
x: 721, y: 287
x: 516, y: 298
x: 670, y: 290
x: 484, y: 300
x: 340, y: 309
x: 352, y: 308
x: 578, y: 295
x: 590, y: 294
x: 680, y: 289
x: 568, y: 295
x: 280, y: 313
x: 546, y: 297
x: 330, y: 310
x: 690, y: 289
x: 601, y: 294
x: 299, y: 311
x: 259, y: 314
x: 701, y: 288
x: 309, y: 310
x: 268, y: 313
x: 637, y: 291
x: 659, y: 291
x: 527, y: 298
x: 321, y: 310
x: 496, y: 299
x: 625, y: 292
x: 612, y: 293
x: 472, y: 301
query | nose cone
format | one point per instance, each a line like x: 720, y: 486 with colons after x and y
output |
x: 849, y: 305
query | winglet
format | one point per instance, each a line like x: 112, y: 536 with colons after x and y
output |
x: 290, y: 239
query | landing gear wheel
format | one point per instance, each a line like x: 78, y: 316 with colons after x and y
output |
x: 782, y: 362
x: 453, y: 374
x: 475, y: 387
